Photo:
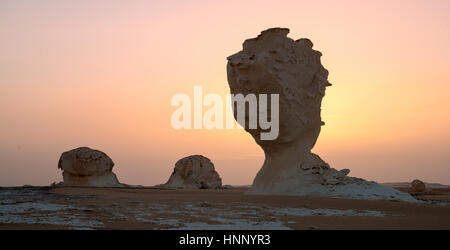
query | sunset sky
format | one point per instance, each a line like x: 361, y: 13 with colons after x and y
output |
x: 102, y: 74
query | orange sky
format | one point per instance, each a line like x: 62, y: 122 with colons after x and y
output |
x: 102, y: 74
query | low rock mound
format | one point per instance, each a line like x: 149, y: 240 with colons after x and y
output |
x: 87, y: 168
x: 194, y: 172
x: 418, y: 186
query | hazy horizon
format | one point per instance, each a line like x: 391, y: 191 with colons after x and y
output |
x: 102, y: 75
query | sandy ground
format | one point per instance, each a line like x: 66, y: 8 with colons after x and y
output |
x: 147, y: 208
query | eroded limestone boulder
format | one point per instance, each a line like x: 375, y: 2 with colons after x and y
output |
x: 194, y: 172
x: 418, y: 186
x: 88, y: 168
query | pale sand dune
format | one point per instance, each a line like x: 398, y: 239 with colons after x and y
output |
x: 150, y: 208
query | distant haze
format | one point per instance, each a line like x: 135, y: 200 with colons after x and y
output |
x: 102, y: 74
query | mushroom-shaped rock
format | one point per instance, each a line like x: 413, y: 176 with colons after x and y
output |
x: 88, y: 168
x: 273, y: 63
x: 194, y: 172
x: 418, y: 186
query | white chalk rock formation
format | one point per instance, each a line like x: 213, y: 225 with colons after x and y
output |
x: 272, y: 63
x: 194, y: 172
x: 87, y: 167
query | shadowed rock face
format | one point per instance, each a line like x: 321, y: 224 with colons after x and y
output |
x: 194, y: 172
x: 273, y: 63
x: 87, y: 167
x: 418, y: 186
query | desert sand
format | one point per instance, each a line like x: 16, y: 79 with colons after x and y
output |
x: 153, y: 208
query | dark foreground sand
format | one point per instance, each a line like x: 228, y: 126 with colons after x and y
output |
x: 146, y: 208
